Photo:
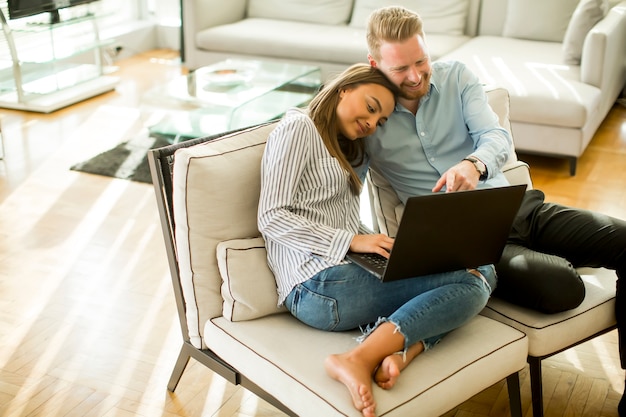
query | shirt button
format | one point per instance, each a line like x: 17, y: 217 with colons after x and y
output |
x: 432, y: 159
x: 422, y: 133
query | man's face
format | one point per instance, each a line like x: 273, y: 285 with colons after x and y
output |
x: 407, y: 64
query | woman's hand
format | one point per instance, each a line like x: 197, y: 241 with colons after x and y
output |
x: 374, y: 243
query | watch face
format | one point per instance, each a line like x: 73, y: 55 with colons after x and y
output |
x: 480, y: 167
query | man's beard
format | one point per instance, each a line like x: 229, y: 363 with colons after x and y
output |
x: 416, y: 94
x: 411, y: 95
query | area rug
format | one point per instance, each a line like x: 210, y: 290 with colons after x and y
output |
x: 128, y: 160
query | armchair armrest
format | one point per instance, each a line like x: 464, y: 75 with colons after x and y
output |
x: 518, y: 172
x: 602, y: 61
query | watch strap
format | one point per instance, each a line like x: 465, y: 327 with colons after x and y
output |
x: 481, y: 168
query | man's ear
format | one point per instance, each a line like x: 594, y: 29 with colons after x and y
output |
x: 371, y: 60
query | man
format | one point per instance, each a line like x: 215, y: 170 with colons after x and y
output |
x: 443, y: 136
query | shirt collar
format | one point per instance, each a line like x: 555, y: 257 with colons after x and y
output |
x: 433, y: 84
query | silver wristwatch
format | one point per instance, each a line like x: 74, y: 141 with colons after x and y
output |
x: 480, y: 167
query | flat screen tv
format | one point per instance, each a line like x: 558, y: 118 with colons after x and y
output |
x: 24, y: 8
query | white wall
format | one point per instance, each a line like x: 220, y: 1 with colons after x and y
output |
x: 141, y: 25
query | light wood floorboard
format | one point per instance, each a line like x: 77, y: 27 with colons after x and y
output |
x: 88, y: 323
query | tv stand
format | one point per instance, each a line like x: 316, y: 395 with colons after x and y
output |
x: 46, y: 67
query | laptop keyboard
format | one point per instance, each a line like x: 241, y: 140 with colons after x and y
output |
x: 377, y: 260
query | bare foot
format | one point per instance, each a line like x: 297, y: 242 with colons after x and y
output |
x: 389, y: 370
x: 357, y: 378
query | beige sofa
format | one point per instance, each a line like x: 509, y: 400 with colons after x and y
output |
x: 556, y: 103
x: 207, y: 193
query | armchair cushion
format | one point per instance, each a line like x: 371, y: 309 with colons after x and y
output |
x: 287, y: 356
x: 550, y: 333
x: 249, y: 287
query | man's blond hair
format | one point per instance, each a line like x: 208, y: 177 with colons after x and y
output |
x: 391, y: 24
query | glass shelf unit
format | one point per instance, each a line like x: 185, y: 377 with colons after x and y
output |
x: 46, y: 66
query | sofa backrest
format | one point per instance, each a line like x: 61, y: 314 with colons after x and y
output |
x: 449, y: 17
x: 491, y: 18
x: 331, y: 12
x: 528, y: 19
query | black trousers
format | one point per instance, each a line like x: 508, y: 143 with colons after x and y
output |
x: 547, y: 242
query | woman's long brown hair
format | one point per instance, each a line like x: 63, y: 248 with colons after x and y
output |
x: 323, y: 112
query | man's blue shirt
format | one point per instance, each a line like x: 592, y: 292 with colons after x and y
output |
x: 453, y: 121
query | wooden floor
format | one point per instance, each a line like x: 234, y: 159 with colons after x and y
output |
x: 88, y: 324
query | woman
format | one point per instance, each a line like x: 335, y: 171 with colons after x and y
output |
x: 312, y: 174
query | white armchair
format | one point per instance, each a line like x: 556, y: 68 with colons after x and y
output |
x: 207, y: 193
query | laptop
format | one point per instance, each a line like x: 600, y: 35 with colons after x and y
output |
x: 444, y: 232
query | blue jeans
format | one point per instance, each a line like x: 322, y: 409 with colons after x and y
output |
x: 425, y: 308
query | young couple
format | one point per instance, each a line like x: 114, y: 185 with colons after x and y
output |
x: 428, y: 128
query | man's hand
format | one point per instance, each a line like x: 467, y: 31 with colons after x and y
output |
x: 462, y: 176
x: 374, y: 243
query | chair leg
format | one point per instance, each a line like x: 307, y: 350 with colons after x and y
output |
x: 179, y: 368
x: 515, y: 400
x: 536, y: 385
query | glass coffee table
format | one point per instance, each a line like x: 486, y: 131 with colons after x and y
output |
x: 229, y: 95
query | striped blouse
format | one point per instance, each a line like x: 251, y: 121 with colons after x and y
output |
x: 307, y: 213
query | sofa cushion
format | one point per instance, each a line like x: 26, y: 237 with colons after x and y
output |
x: 212, y: 205
x: 249, y: 287
x: 330, y: 12
x: 586, y: 15
x: 543, y: 90
x: 286, y: 358
x: 271, y: 38
x: 440, y: 16
x: 539, y: 20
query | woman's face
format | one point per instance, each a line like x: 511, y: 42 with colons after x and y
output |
x: 362, y: 109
